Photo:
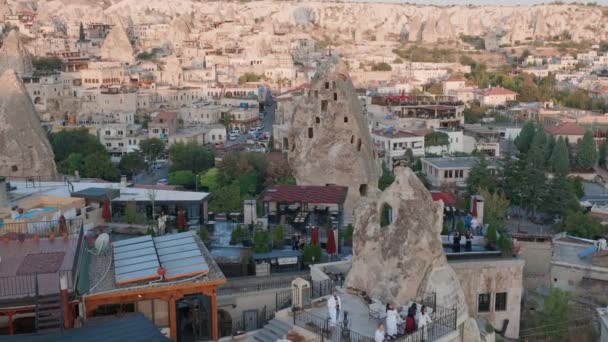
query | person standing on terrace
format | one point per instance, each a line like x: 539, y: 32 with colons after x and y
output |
x: 334, y: 304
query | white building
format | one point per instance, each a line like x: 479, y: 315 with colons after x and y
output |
x: 495, y: 96
x: 120, y: 138
x: 450, y: 171
x: 393, y: 144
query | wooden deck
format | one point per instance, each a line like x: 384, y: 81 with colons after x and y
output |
x: 14, y: 284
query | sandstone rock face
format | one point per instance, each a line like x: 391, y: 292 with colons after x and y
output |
x: 117, y: 46
x: 24, y: 148
x: 426, y: 23
x: 4, y: 8
x: 404, y: 259
x: 15, y: 56
x: 329, y: 142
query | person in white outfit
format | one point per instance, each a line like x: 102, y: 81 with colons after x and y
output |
x: 334, y: 304
x: 392, y: 319
x: 423, y: 320
x: 379, y: 335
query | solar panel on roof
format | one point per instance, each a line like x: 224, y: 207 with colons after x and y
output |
x: 135, y: 260
x: 180, y: 256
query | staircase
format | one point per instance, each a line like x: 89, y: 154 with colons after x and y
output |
x: 49, y: 313
x: 274, y: 330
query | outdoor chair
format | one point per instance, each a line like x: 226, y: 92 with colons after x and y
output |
x: 101, y: 244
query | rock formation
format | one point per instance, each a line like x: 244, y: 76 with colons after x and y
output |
x: 404, y: 259
x: 15, y: 56
x: 24, y: 148
x: 329, y: 141
x: 117, y: 46
x: 4, y: 8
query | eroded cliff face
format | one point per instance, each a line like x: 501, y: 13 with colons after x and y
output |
x: 329, y: 142
x: 116, y: 46
x: 403, y: 260
x: 15, y: 56
x: 24, y: 148
x: 424, y: 23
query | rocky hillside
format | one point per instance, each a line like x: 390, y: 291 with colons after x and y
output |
x: 347, y: 21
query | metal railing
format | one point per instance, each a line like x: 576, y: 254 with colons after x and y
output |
x: 256, y: 286
x: 18, y: 286
x: 325, y: 329
x: 26, y: 229
x: 444, y: 321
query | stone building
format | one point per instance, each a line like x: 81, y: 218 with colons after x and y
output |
x: 24, y: 148
x: 329, y: 139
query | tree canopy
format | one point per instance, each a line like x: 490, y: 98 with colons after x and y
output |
x: 586, y: 158
x: 190, y: 156
x: 560, y: 161
x: 132, y: 164
x: 151, y: 148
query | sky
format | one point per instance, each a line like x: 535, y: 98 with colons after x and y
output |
x: 480, y: 2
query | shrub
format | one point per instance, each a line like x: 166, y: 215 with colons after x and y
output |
x: 203, y: 234
x: 262, y: 241
x: 382, y: 67
x: 504, y: 244
x: 491, y: 234
x: 239, y: 233
x: 460, y: 226
x: 279, y: 236
x: 312, y: 254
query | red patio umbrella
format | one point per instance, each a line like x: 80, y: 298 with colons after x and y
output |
x: 314, y: 236
x: 474, y: 210
x: 331, y: 242
x: 181, y: 220
x: 106, y: 213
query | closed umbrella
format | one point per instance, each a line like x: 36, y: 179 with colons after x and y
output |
x: 314, y: 236
x: 106, y: 213
x: 63, y: 228
x: 331, y: 242
x: 181, y: 220
x: 474, y: 205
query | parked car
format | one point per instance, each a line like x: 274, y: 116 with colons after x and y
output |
x: 162, y: 181
x: 260, y: 126
x: 233, y: 136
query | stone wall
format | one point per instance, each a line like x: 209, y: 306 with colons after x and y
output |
x: 537, y: 270
x: 495, y: 276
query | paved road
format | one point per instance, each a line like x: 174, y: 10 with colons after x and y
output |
x: 268, y: 121
x: 153, y: 176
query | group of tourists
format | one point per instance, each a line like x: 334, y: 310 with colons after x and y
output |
x: 458, y: 237
x: 413, y: 318
x: 297, y: 242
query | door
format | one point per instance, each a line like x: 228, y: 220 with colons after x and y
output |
x: 250, y: 317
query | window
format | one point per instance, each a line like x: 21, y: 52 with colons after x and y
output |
x: 500, y: 303
x: 108, y: 144
x: 318, y: 120
x: 310, y: 133
x: 352, y: 139
x: 120, y: 144
x: 363, y: 189
x: 316, y: 93
x: 155, y: 131
x: 358, y: 144
x: 346, y: 119
x: 14, y: 168
x: 445, y: 174
x: 108, y: 132
x: 483, y: 303
x: 324, y: 105
x: 450, y: 174
x: 120, y: 132
x: 326, y: 85
x: 461, y: 172
x: 386, y: 216
x: 335, y: 96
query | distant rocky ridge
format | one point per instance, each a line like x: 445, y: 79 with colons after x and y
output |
x: 24, y: 148
x: 381, y: 20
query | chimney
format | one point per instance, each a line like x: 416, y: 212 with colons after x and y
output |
x: 123, y: 181
x: 3, y: 193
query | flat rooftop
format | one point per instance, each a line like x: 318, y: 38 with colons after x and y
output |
x: 101, y: 270
x: 21, y: 261
x: 452, y: 162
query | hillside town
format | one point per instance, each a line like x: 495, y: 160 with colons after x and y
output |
x: 303, y: 171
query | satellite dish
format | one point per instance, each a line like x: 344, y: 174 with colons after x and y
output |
x: 102, y: 242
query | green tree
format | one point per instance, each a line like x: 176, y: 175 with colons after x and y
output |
x: 132, y: 164
x: 491, y: 234
x: 211, y: 179
x: 557, y: 309
x: 73, y: 163
x: 601, y: 158
x: 152, y: 149
x: 190, y: 156
x: 203, y: 234
x: 560, y: 196
x: 311, y: 254
x: 99, y: 165
x: 226, y: 199
x: 81, y: 35
x: 184, y: 178
x: 436, y: 139
x: 382, y: 67
x: 549, y: 148
x: 480, y: 177
x: 495, y: 207
x: 250, y: 77
x: 78, y: 141
x: 248, y: 183
x: 279, y: 236
x: 460, y: 227
x: 262, y: 241
x: 560, y: 162
x: 387, y: 178
x: 587, y: 153
x: 525, y: 137
x: 47, y: 63
x: 579, y: 224
x: 474, y: 113
x: 534, y: 178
